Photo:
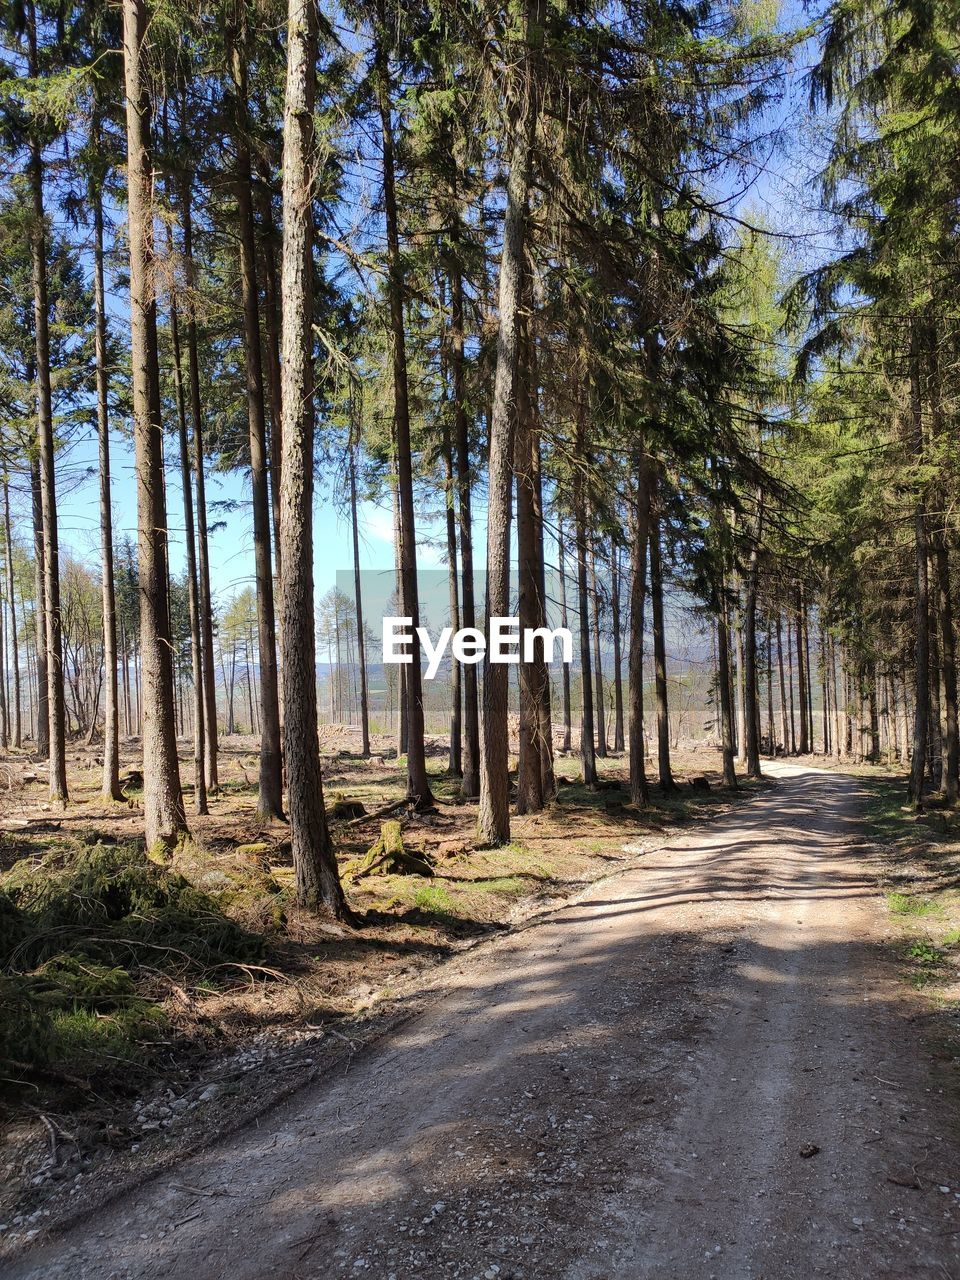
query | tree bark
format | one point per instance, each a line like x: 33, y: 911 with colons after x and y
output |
x: 601, y: 718
x: 164, y: 817
x: 470, y: 782
x: 270, y: 788
x: 17, y: 736
x: 567, y: 726
x: 418, y: 786
x: 618, y: 723
x: 210, y: 726
x: 640, y: 530
x: 111, y: 714
x: 358, y: 607
x: 315, y: 866
x: 493, y: 820
x: 660, y: 656
x: 455, y: 753
x: 45, y: 441
x: 40, y: 613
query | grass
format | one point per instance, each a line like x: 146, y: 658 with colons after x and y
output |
x: 902, y: 904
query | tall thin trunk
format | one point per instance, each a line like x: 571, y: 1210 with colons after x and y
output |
x: 358, y: 608
x: 751, y: 696
x: 455, y: 753
x: 640, y: 532
x: 771, y: 724
x: 270, y: 788
x: 164, y: 817
x: 418, y: 786
x: 660, y: 656
x: 493, y: 819
x: 40, y: 613
x: 618, y: 723
x: 601, y: 716
x: 315, y: 865
x: 948, y: 660
x: 529, y: 776
x: 48, y: 490
x: 190, y: 538
x: 111, y: 715
x: 271, y: 314
x: 804, y: 743
x: 470, y: 762
x: 725, y: 692
x: 17, y: 737
x: 921, y: 707
x: 587, y: 752
x: 561, y: 569
x: 210, y: 727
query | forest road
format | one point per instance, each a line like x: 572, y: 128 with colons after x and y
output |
x: 625, y: 1088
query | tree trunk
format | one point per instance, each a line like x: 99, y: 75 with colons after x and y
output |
x: 190, y: 538
x: 587, y: 754
x: 660, y: 656
x: 455, y: 753
x: 358, y: 607
x: 40, y: 613
x: 111, y: 714
x: 948, y: 660
x: 601, y: 716
x: 470, y: 784
x: 164, y: 817
x: 14, y: 650
x: 210, y: 727
x: 921, y: 709
x: 493, y: 820
x: 640, y: 530
x: 618, y: 722
x: 48, y: 490
x: 564, y: 622
x: 804, y: 744
x: 315, y: 865
x: 270, y: 789
x: 418, y: 786
x: 725, y: 692
x: 530, y: 796
x: 751, y: 697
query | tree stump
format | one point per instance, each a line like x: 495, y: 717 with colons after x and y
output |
x: 387, y: 856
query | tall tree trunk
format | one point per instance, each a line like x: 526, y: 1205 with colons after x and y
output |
x: 315, y: 865
x: 14, y: 650
x: 784, y: 728
x: 587, y: 753
x: 639, y: 537
x: 921, y: 707
x: 270, y: 789
x: 210, y: 727
x: 455, y: 753
x: 111, y: 715
x: 725, y: 692
x: 40, y: 613
x: 660, y: 656
x: 751, y: 721
x: 190, y: 538
x: 493, y: 819
x: 618, y: 723
x: 601, y: 716
x: 358, y: 607
x: 567, y: 726
x: 418, y: 786
x: 529, y: 776
x: 164, y: 817
x: 48, y: 489
x: 470, y: 763
x: 948, y: 659
x: 804, y: 744
x: 271, y: 314
x: 771, y: 723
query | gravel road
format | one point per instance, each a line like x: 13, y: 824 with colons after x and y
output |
x: 705, y: 1066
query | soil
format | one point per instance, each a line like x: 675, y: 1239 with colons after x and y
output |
x: 706, y: 1064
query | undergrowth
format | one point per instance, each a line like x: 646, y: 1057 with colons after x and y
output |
x: 88, y: 937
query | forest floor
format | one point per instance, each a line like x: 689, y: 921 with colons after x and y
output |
x: 735, y: 1055
x: 113, y: 1090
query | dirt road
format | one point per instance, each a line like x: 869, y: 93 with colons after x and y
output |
x: 621, y: 1090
